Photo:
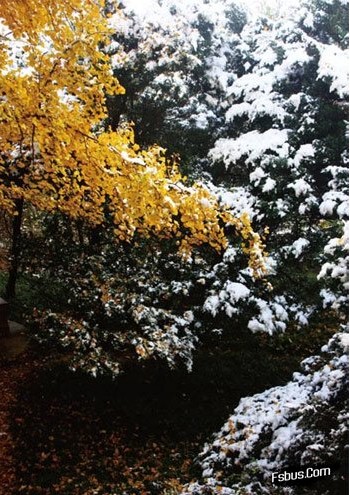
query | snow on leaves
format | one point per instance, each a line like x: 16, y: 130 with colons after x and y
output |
x: 56, y: 154
x: 280, y: 428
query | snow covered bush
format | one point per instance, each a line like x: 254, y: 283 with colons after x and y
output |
x: 287, y: 428
x: 172, y: 58
x: 284, y: 143
x: 334, y: 273
x: 123, y: 302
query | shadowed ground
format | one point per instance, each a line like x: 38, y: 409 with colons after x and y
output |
x: 69, y: 434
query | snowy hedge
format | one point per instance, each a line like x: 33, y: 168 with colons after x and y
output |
x: 301, y: 424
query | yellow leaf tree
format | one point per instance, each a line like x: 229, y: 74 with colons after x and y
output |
x: 57, y: 154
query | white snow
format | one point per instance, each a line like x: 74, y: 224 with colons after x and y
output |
x: 256, y: 176
x: 227, y: 299
x: 299, y: 246
x: 334, y: 64
x: 251, y: 145
x: 269, y: 185
x: 301, y: 187
x: 271, y: 429
x: 305, y: 151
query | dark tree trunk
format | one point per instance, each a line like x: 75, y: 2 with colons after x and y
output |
x: 15, y: 251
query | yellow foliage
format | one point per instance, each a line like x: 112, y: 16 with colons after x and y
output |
x: 55, y: 154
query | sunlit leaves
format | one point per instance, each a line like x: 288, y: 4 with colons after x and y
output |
x: 57, y: 152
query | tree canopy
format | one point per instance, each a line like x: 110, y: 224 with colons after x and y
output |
x: 59, y: 154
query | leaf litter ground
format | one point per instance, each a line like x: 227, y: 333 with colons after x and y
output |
x: 65, y: 433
